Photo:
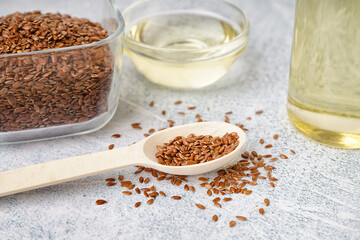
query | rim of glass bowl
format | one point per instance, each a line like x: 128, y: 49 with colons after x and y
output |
x: 237, y: 40
x: 120, y: 29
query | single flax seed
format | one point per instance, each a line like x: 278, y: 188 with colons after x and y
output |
x: 150, y: 201
x: 261, y: 211
x: 100, y: 202
x: 241, y: 218
x: 200, y: 206
x: 176, y: 197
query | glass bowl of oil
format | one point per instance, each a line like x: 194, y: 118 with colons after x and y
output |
x: 184, y: 44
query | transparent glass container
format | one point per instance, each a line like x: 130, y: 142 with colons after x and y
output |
x: 324, y: 86
x: 63, y: 91
x: 184, y: 44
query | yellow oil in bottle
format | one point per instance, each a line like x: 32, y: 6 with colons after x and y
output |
x: 324, y: 86
x: 195, y: 49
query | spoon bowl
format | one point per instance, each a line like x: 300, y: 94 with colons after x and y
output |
x: 202, y: 128
x: 138, y: 154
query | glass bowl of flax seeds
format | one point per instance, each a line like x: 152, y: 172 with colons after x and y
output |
x: 60, y: 66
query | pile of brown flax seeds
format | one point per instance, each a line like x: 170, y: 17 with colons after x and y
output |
x: 228, y: 182
x: 190, y: 150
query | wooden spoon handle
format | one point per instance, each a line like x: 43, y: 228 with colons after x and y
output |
x: 67, y: 169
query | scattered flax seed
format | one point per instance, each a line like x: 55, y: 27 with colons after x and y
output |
x: 136, y: 126
x: 151, y: 130
x: 267, y: 156
x: 141, y: 179
x: 227, y: 199
x: 176, y: 197
x: 171, y: 123
x: 137, y: 190
x: 276, y: 136
x: 137, y: 204
x: 227, y: 119
x: 283, y: 156
x: 163, y: 112
x: 273, y: 159
x: 120, y: 178
x: 230, y: 112
x: 150, y: 201
x: 127, y: 192
x: 241, y: 218
x: 186, y: 187
x: 162, y: 193
x: 197, y: 116
x: 178, y: 102
x: 232, y: 223
x: 215, y: 218
x: 261, y: 141
x: 261, y: 211
x: 216, y: 199
x: 191, y: 188
x: 182, y: 151
x: 111, y: 146
x: 151, y: 104
x: 248, y: 118
x: 146, y: 180
x: 181, y: 113
x: 200, y: 206
x: 209, y: 193
x: 191, y: 108
x: 259, y: 112
x: 202, y: 179
x: 116, y: 135
x: 272, y: 184
x: 268, y: 146
x: 100, y: 202
x: 110, y: 184
x: 217, y: 204
x: 154, y: 194
x: 110, y: 179
x: 138, y: 171
x: 292, y: 151
x: 273, y: 179
x: 266, y: 201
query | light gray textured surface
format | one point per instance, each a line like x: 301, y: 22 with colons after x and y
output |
x: 317, y: 195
